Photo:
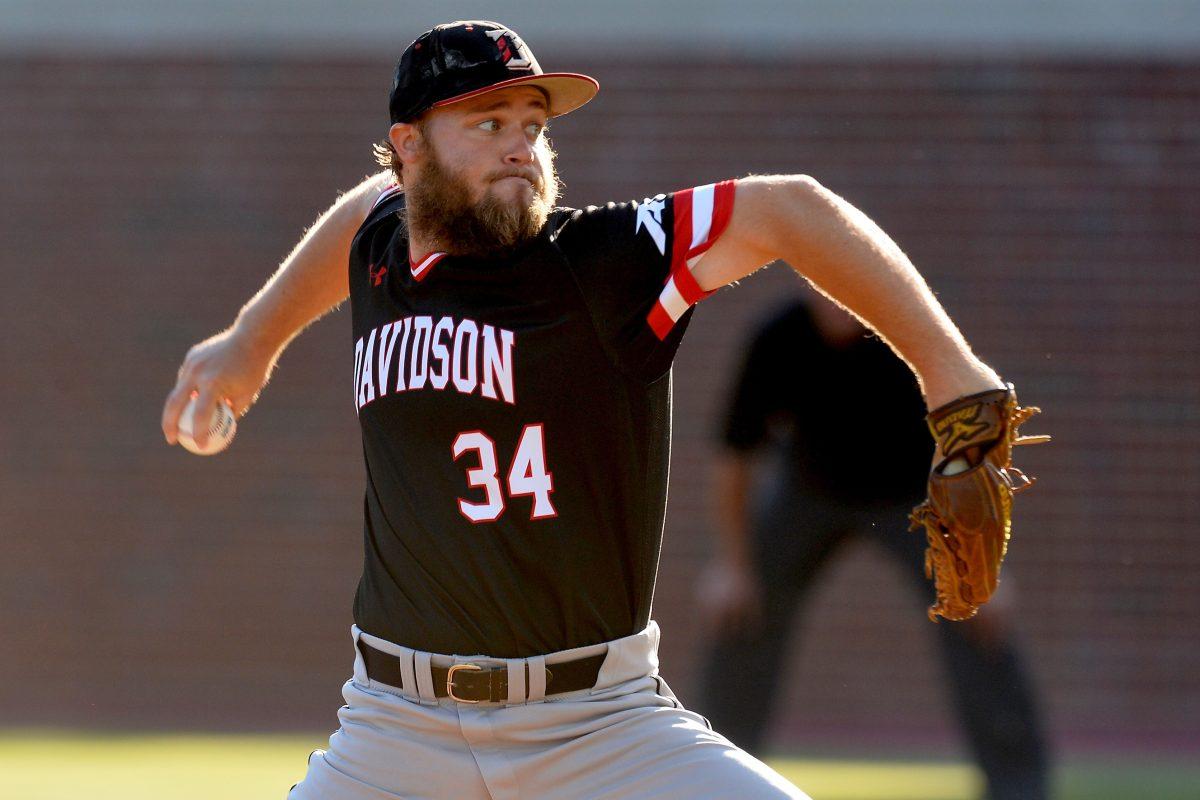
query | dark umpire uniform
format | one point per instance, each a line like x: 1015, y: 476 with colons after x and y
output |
x: 827, y: 406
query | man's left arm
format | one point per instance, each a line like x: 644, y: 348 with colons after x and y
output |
x: 849, y: 258
x: 967, y: 516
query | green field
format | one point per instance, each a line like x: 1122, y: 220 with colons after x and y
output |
x: 36, y: 765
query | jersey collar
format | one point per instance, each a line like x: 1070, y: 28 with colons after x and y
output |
x: 421, y: 269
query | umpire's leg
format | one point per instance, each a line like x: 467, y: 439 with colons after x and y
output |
x: 991, y: 687
x: 794, y: 537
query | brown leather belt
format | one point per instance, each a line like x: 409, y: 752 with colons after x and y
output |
x: 476, y: 683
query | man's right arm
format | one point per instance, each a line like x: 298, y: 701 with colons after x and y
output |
x: 236, y: 363
x: 731, y: 588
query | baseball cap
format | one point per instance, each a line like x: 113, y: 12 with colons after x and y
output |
x: 467, y: 58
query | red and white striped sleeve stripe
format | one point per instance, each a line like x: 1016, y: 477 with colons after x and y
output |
x: 701, y: 216
x: 387, y: 194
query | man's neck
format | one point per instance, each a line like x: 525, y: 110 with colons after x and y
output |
x: 419, y: 246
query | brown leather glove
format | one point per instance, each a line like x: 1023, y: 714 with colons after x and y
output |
x: 968, y: 515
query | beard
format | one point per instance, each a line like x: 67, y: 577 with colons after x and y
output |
x: 439, y: 205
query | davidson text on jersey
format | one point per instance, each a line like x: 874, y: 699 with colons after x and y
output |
x: 423, y: 352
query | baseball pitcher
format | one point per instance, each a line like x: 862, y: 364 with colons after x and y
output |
x: 510, y: 367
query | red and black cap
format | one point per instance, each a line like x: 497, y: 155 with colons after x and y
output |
x: 463, y: 59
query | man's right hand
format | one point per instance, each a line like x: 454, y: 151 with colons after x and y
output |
x: 234, y: 365
x: 223, y: 367
x: 730, y: 595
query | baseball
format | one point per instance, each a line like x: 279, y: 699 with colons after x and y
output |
x: 220, y: 430
x: 954, y: 467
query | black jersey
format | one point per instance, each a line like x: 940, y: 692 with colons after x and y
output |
x: 516, y: 416
x: 833, y: 408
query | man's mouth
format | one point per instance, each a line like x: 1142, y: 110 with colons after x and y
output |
x: 518, y: 177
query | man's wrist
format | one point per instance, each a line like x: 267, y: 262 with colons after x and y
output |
x: 971, y: 377
x: 256, y: 337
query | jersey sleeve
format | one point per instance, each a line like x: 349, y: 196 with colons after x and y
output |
x: 633, y: 263
x: 368, y: 248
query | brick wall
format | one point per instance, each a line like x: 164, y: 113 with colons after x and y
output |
x: 1052, y: 205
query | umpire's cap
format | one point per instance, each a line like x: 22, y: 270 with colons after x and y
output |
x: 467, y: 58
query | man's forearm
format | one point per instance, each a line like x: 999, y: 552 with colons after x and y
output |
x: 848, y: 257
x: 733, y: 478
x: 235, y: 364
x: 312, y: 280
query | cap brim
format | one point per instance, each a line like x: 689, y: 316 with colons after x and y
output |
x: 567, y: 90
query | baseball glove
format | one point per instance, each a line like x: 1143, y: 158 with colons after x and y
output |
x: 967, y: 516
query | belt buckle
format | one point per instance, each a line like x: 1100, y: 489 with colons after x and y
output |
x: 450, y: 680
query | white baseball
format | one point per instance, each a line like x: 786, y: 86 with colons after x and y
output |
x: 956, y: 466
x: 220, y: 432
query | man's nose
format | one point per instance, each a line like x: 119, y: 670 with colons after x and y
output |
x: 518, y: 149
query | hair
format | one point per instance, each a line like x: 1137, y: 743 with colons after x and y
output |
x: 386, y: 155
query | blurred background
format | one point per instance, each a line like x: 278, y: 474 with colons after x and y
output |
x: 1038, y: 161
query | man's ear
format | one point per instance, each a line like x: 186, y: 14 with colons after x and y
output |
x: 406, y: 141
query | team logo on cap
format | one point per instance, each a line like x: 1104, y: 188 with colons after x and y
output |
x: 512, y: 49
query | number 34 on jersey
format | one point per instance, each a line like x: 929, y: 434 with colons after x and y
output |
x: 526, y: 475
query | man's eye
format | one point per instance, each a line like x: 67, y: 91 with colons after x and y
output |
x: 534, y: 129
x: 489, y: 125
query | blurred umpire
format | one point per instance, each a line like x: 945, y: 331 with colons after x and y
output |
x: 831, y: 397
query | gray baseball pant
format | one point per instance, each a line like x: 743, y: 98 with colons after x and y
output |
x: 627, y: 737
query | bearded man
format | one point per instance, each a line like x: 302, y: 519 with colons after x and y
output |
x: 512, y: 379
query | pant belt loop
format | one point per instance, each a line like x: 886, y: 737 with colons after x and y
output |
x: 360, y: 664
x: 408, y: 677
x: 537, y: 678
x: 516, y: 681
x: 421, y: 663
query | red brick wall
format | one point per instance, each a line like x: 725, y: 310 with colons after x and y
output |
x: 1053, y: 207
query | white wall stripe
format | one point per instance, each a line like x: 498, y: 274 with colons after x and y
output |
x: 672, y: 301
x: 702, y: 213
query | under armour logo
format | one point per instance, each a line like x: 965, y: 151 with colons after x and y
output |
x: 376, y: 277
x: 649, y: 216
x: 512, y: 49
